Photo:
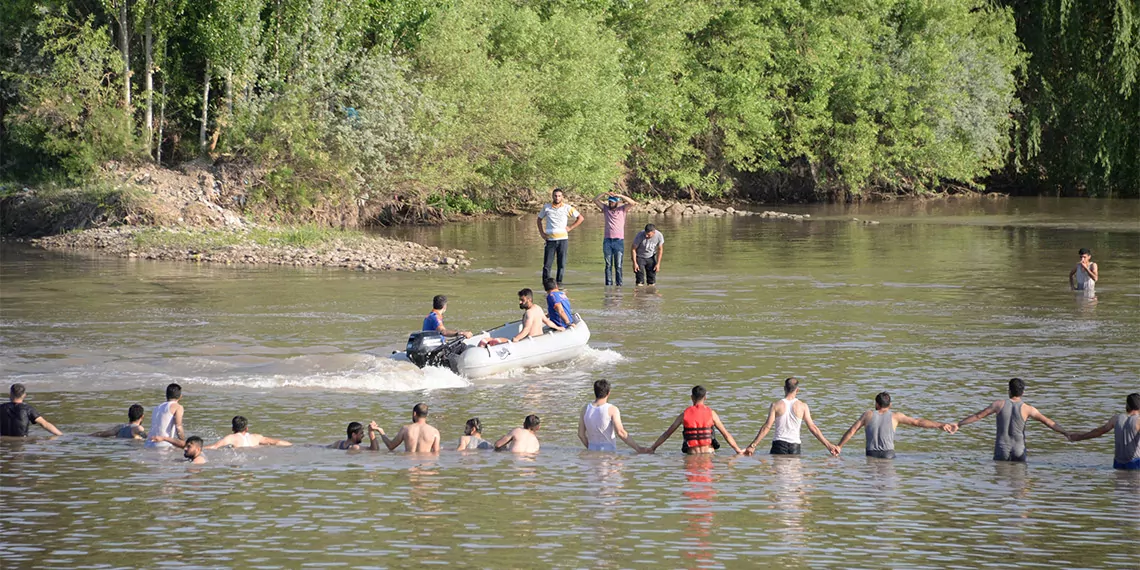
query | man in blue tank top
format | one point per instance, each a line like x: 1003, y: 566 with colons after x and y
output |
x: 557, y: 304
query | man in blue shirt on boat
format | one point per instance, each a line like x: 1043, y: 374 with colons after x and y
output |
x: 557, y: 304
x: 434, y: 320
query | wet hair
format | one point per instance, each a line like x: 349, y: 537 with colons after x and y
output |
x: 420, y: 410
x: 791, y: 385
x: 135, y: 412
x: 438, y: 302
x: 17, y: 391
x: 549, y: 284
x: 353, y: 428
x: 883, y: 400
x: 1084, y: 251
x: 473, y: 425
x: 239, y: 424
x: 527, y: 293
x: 1016, y: 387
x: 1133, y: 402
x: 173, y: 392
x: 531, y: 421
x: 699, y: 393
x: 650, y: 228
x: 601, y: 388
x: 193, y: 440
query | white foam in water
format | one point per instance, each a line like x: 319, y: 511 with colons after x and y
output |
x: 379, y: 374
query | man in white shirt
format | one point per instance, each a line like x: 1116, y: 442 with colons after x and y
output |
x: 552, y: 227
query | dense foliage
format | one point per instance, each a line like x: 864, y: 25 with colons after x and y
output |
x: 470, y: 104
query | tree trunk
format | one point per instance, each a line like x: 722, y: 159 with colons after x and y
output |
x: 161, y: 122
x: 205, y: 108
x: 230, y: 92
x: 149, y: 47
x: 125, y: 47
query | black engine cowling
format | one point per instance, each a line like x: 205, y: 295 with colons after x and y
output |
x: 429, y: 348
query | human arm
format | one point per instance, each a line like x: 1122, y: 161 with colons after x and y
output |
x: 48, y: 426
x: 619, y: 430
x: 1091, y: 269
x: 504, y: 441
x: 541, y: 230
x: 763, y: 430
x: 992, y: 408
x: 577, y: 221
x: 392, y: 444
x: 632, y: 203
x: 562, y: 313
x: 582, y: 429
x: 546, y: 321
x: 668, y: 433
x: 1072, y: 281
x: 274, y: 441
x: 598, y: 200
x: 220, y: 443
x: 373, y: 441
x: 660, y: 256
x: 1107, y: 427
x: 724, y: 432
x: 448, y: 332
x: 919, y: 422
x: 106, y: 433
x: 171, y: 440
x: 851, y: 431
x: 178, y: 422
x: 1037, y: 415
x: 463, y: 441
x: 637, y: 239
x: 435, y: 444
x: 814, y: 429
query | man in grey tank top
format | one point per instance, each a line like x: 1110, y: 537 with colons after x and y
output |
x: 880, y: 425
x: 1009, y: 444
x: 1126, y: 454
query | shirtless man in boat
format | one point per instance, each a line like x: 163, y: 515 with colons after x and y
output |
x: 417, y: 436
x: 532, y: 322
x: 242, y: 438
x: 521, y: 440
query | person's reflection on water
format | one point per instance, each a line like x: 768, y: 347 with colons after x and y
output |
x: 647, y: 298
x: 700, y: 498
x: 1015, y: 475
x: 1086, y: 303
x: 883, y: 472
x: 612, y: 299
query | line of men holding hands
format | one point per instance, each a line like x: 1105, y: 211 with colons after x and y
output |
x: 600, y: 426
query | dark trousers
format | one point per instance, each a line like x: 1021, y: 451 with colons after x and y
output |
x: 881, y: 453
x: 646, y: 274
x: 554, y: 248
x: 785, y: 448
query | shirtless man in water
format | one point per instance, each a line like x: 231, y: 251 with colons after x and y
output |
x: 521, y: 440
x: 355, y: 433
x: 242, y: 438
x: 532, y: 322
x: 417, y: 436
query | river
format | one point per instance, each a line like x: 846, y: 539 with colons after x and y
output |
x: 940, y: 304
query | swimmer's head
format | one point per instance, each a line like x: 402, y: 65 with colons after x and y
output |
x: 239, y: 423
x: 193, y: 447
x: 17, y: 391
x: 882, y: 400
x: 473, y: 427
x: 1133, y: 402
x: 532, y: 422
x: 601, y: 388
x: 419, y: 411
x: 1016, y: 387
x: 173, y: 392
x: 355, y: 432
x: 135, y: 412
x: 699, y: 393
x: 791, y: 385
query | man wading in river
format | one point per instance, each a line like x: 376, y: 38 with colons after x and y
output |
x: 787, y: 415
x: 698, y: 421
x: 1127, y: 432
x: 417, y: 436
x: 881, y: 423
x: 1009, y: 445
x: 556, y: 233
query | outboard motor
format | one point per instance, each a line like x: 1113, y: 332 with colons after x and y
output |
x: 423, y: 347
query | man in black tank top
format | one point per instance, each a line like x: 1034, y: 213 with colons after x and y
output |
x: 16, y: 416
x: 1009, y: 443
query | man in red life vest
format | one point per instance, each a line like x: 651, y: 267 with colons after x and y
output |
x: 698, y: 421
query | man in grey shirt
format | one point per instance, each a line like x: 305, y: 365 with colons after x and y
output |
x: 1009, y: 443
x: 647, y: 249
x: 880, y: 425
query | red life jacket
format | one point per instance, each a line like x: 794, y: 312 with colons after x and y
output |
x: 698, y: 425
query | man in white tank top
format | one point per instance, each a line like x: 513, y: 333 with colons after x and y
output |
x: 787, y: 415
x: 242, y: 438
x: 166, y: 419
x: 1084, y: 275
x: 599, y: 424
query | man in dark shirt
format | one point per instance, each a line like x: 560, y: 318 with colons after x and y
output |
x: 16, y: 416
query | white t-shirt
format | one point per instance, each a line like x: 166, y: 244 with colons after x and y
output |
x: 556, y: 219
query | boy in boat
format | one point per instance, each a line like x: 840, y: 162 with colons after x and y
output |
x: 1127, y: 431
x: 131, y: 430
x: 242, y: 438
x: 355, y: 433
x: 698, y: 421
x: 417, y: 436
x: 787, y: 415
x: 881, y: 424
x: 434, y: 320
x: 558, y: 305
x: 532, y: 322
x: 521, y: 440
x: 1084, y: 275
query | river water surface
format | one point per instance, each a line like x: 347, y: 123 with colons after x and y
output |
x: 939, y: 303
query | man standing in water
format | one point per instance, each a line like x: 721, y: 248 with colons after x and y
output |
x: 521, y: 440
x: 166, y: 419
x: 242, y: 438
x: 131, y: 430
x: 1127, y: 431
x: 1009, y: 445
x: 16, y: 416
x: 418, y: 436
x: 881, y: 424
x: 788, y: 415
x: 599, y: 424
x: 648, y: 250
x: 613, y: 242
x: 355, y: 433
x: 1084, y: 275
x: 552, y: 227
x: 434, y: 320
x: 698, y: 421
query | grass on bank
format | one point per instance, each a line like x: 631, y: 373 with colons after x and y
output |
x: 306, y: 237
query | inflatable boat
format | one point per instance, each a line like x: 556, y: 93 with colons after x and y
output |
x: 466, y: 358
